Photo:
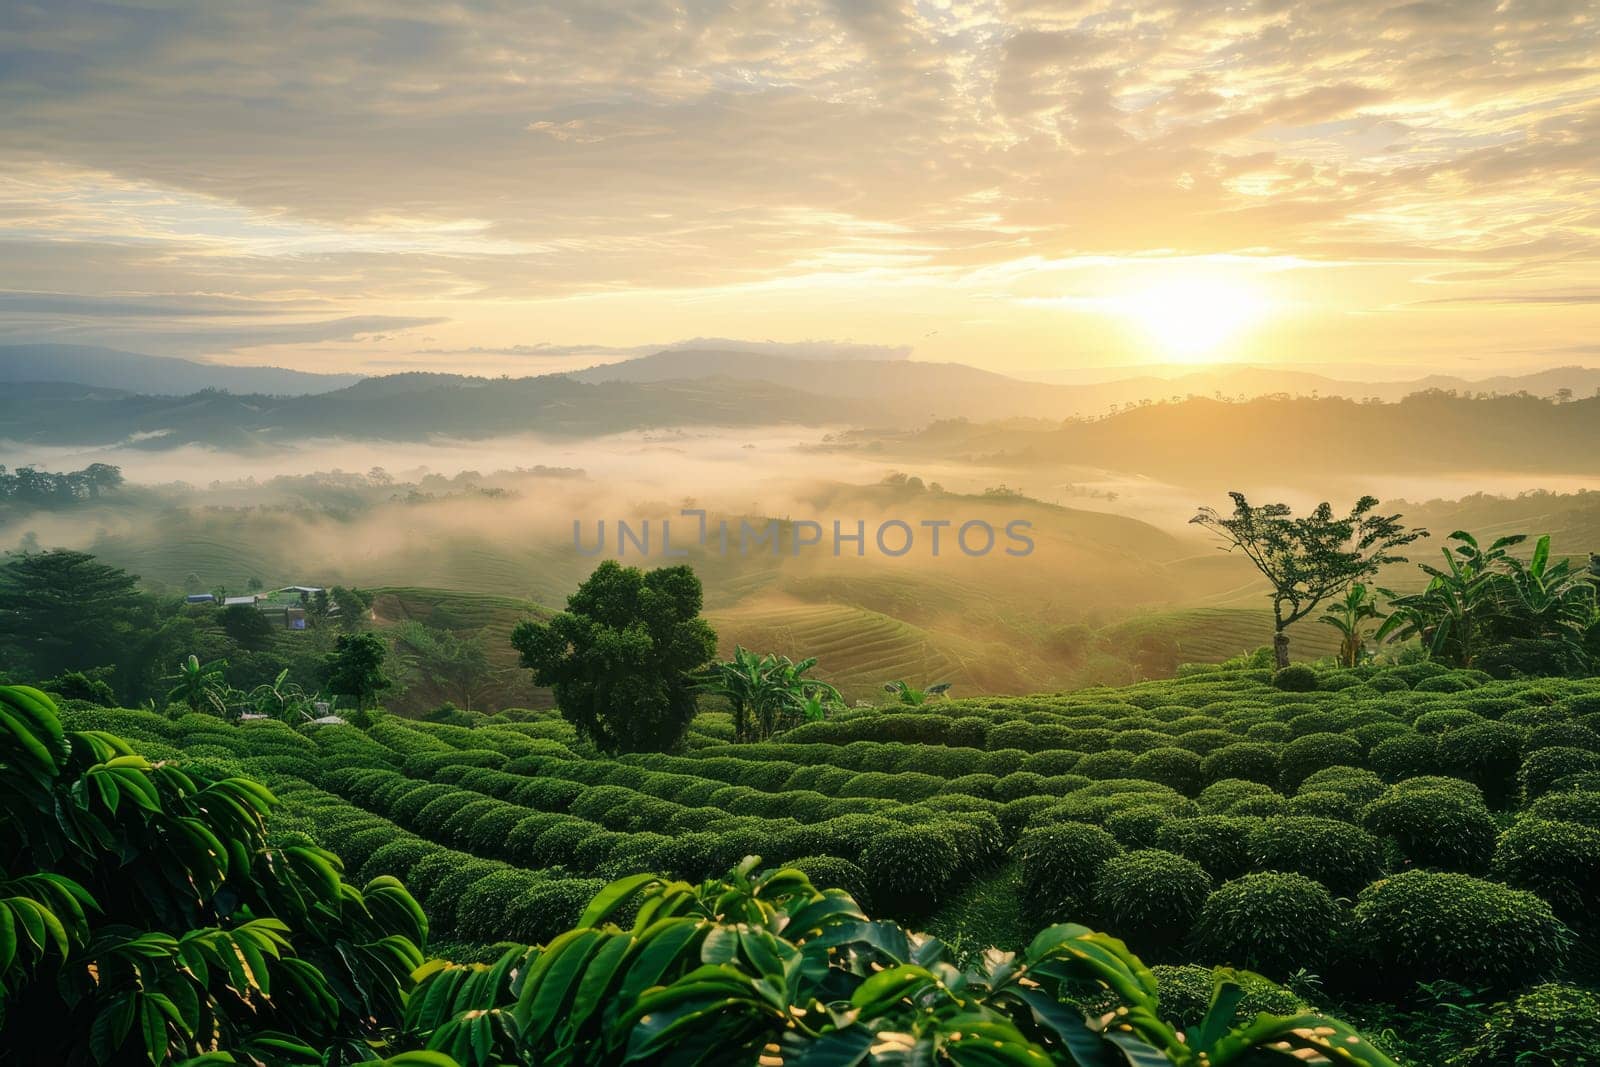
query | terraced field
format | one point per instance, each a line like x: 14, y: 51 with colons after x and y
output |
x: 1211, y: 635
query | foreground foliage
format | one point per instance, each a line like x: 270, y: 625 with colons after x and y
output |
x: 762, y: 965
x: 146, y: 917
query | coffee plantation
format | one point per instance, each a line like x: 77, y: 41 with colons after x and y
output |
x: 1389, y: 830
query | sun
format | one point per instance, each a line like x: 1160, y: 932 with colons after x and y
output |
x: 1190, y: 319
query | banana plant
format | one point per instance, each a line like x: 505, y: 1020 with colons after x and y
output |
x: 1448, y: 615
x: 911, y: 696
x: 200, y: 686
x: 1350, y: 616
x: 767, y: 693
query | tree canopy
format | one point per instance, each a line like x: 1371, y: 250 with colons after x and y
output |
x: 620, y: 656
x: 1310, y: 558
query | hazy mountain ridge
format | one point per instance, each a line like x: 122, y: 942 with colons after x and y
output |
x: 136, y: 372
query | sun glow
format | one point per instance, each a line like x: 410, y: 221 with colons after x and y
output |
x: 1191, y: 318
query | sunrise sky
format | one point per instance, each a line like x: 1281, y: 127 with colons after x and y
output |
x: 1036, y: 187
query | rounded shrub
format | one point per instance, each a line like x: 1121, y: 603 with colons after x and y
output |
x: 1204, y: 741
x: 1404, y: 756
x: 1435, y: 828
x: 549, y: 909
x: 1153, y: 897
x: 1560, y: 861
x: 1108, y: 764
x: 1341, y: 856
x: 1183, y: 993
x: 1136, y: 827
x: 1059, y: 865
x: 1304, y: 756
x: 398, y: 858
x: 1427, y: 925
x: 1217, y: 797
x: 1219, y: 843
x: 1548, y: 1026
x: 1275, y: 923
x: 1251, y: 760
x: 909, y: 868
x: 1562, y: 735
x: 1175, y: 767
x: 1458, y: 786
x: 1295, y: 678
x: 1361, y: 786
x: 1443, y: 720
x: 1269, y: 732
x: 1323, y: 804
x: 830, y: 872
x: 480, y: 912
x: 1487, y: 754
x: 1260, y: 807
x: 1052, y: 762
x: 1316, y: 722
x: 1581, y: 807
x: 1550, y: 768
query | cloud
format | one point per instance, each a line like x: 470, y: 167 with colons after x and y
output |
x: 846, y: 350
x: 418, y: 161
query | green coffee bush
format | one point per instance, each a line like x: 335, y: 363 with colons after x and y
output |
x: 1560, y: 861
x: 1275, y: 923
x: 1109, y: 764
x: 1203, y: 742
x: 1260, y: 807
x: 1487, y: 754
x: 1427, y: 925
x: 1317, y: 722
x: 1404, y: 756
x: 1323, y: 804
x: 1569, y: 806
x: 1341, y: 856
x: 1175, y: 767
x: 549, y: 909
x: 398, y: 858
x: 1361, y: 786
x: 1295, y: 678
x: 1442, y: 721
x: 1250, y: 760
x: 480, y: 912
x: 835, y: 873
x: 1184, y: 993
x: 1217, y: 797
x: 1435, y: 828
x: 1219, y: 843
x: 1153, y: 896
x: 1548, y: 1026
x: 1550, y: 768
x: 1306, y: 755
x: 1059, y: 865
x: 1136, y: 827
x: 1566, y: 734
x: 909, y: 868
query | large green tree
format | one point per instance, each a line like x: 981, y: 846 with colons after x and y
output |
x: 458, y: 663
x: 620, y: 657
x: 63, y: 610
x: 1310, y: 558
x: 355, y: 668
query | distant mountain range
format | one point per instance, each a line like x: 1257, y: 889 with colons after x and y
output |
x: 63, y: 394
x: 135, y: 372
